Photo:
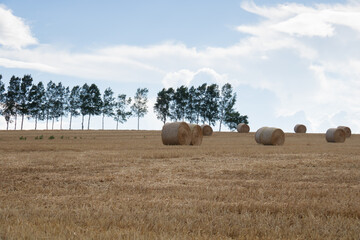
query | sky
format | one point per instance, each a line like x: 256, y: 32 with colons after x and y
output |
x: 289, y: 62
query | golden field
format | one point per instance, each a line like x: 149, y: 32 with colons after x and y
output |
x: 128, y: 185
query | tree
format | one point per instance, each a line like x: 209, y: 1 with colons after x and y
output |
x: 191, y: 113
x: 84, y: 100
x: 61, y: 106
x: 2, y: 95
x: 139, y: 107
x: 179, y: 103
x: 7, y: 108
x: 226, y: 103
x: 49, y: 106
x: 162, y: 104
x: 210, y: 110
x: 108, y: 104
x: 37, y: 102
x: 74, y: 103
x: 95, y: 102
x: 121, y: 115
x: 199, y: 101
x: 12, y: 99
x: 23, y: 106
x: 232, y: 119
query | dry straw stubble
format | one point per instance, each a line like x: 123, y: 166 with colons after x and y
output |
x: 347, y: 130
x: 336, y: 135
x: 176, y: 133
x: 243, y: 128
x: 207, y: 130
x: 300, y: 128
x: 196, y: 134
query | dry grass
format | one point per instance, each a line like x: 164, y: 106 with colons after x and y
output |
x: 128, y: 185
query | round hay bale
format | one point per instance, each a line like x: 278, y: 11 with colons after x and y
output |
x: 272, y: 136
x: 207, y: 130
x: 336, y: 135
x: 243, y: 128
x: 258, y: 134
x: 176, y: 133
x: 300, y: 128
x: 347, y: 131
x: 196, y: 134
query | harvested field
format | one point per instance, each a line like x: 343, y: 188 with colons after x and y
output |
x: 128, y: 185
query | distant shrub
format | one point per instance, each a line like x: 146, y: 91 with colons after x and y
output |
x: 51, y: 137
x: 41, y: 137
x: 22, y: 138
x: 62, y: 137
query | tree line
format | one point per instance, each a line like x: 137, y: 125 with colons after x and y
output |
x: 54, y: 101
x: 205, y: 103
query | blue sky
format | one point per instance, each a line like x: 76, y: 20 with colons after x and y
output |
x: 289, y: 62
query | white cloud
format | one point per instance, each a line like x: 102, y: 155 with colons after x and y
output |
x: 196, y: 78
x: 26, y: 65
x: 14, y: 33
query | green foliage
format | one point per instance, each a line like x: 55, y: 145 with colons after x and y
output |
x: 199, y: 101
x: 22, y: 138
x: 37, y: 102
x: 2, y: 90
x: 179, y: 103
x: 226, y: 103
x: 23, y: 104
x: 139, y: 107
x: 210, y: 109
x: 62, y: 137
x: 108, y: 104
x: 49, y: 106
x: 11, y: 99
x: 41, y: 137
x: 191, y: 114
x: 75, y: 101
x: 121, y: 114
x: 51, y: 137
x: 232, y: 119
x: 162, y: 104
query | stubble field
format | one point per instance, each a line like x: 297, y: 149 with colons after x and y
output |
x: 127, y: 185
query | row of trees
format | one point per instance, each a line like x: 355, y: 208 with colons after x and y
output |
x: 55, y: 101
x: 206, y: 104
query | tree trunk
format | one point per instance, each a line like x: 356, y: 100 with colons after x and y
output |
x: 35, y: 122
x: 220, y: 125
x: 82, y: 122
x: 70, y: 121
x: 53, y: 120
x: 7, y: 125
x: 47, y: 122
x: 103, y: 122
x: 89, y: 122
x: 117, y: 124
x: 22, y: 121
x: 61, y: 122
x: 15, y: 120
x: 138, y: 122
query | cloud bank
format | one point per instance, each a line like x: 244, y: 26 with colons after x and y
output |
x: 14, y: 32
x: 307, y: 57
